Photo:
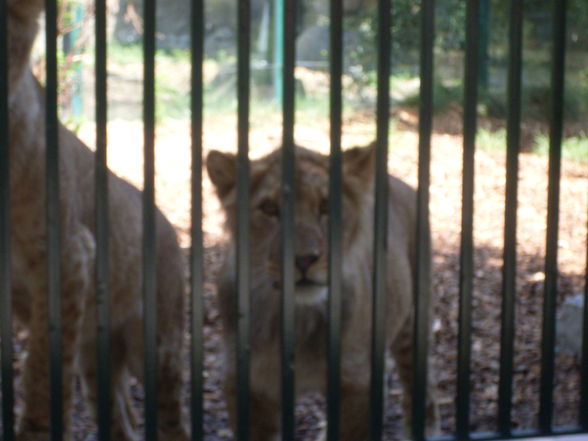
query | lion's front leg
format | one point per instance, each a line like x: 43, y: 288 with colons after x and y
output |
x: 402, y: 350
x: 265, y: 411
x: 76, y: 271
x: 354, y: 414
x: 265, y: 417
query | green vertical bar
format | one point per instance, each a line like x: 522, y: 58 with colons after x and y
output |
x: 551, y: 269
x: 509, y: 268
x: 53, y: 225
x: 242, y: 263
x: 288, y: 204
x: 7, y: 351
x: 102, y: 230
x: 423, y: 252
x: 279, y: 10
x: 335, y: 228
x: 197, y: 251
x: 380, y: 223
x: 485, y: 6
x: 76, y: 98
x: 149, y: 245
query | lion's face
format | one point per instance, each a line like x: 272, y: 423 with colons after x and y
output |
x: 311, y: 213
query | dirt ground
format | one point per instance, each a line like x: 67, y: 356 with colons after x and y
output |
x: 173, y: 178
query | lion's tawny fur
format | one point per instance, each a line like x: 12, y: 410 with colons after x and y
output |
x: 311, y: 257
x: 77, y: 245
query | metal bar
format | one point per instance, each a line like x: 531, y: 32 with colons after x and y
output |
x: 243, y: 188
x: 467, y: 227
x: 288, y: 204
x: 149, y: 246
x: 550, y: 289
x: 335, y: 227
x: 583, y: 415
x: 102, y: 230
x: 423, y: 252
x: 53, y: 225
x: 7, y: 351
x: 509, y: 268
x: 380, y: 223
x: 197, y: 250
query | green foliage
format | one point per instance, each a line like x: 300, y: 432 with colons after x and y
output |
x: 574, y: 148
x: 538, y: 18
x: 491, y: 140
x: 536, y: 101
x: 450, y: 24
x: 405, y: 36
x: 445, y: 95
x: 125, y: 54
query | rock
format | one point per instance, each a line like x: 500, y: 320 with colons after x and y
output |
x: 173, y: 25
x: 570, y: 319
x: 312, y: 45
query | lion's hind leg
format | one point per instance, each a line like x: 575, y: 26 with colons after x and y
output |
x: 123, y: 418
x: 402, y: 350
x: 169, y: 396
x: 76, y: 269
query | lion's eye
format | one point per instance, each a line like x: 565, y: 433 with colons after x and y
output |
x: 324, y: 207
x: 269, y: 208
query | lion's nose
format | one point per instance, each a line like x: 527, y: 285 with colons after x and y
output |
x: 305, y: 261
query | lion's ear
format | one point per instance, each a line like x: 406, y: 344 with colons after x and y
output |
x: 360, y: 161
x: 221, y: 169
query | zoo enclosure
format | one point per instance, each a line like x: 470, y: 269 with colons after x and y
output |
x: 383, y: 45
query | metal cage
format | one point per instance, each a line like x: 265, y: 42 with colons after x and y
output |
x: 383, y: 46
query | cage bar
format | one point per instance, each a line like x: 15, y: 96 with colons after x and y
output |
x: 467, y: 246
x: 335, y: 227
x: 422, y: 287
x: 380, y: 222
x: 53, y: 225
x: 102, y: 230
x: 243, y: 255
x: 149, y: 245
x: 583, y: 421
x: 551, y: 271
x: 197, y: 248
x: 7, y: 351
x: 287, y: 98
x: 509, y: 268
x: 467, y: 222
x: 287, y: 218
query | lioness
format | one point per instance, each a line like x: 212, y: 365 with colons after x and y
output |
x: 29, y: 263
x: 311, y: 260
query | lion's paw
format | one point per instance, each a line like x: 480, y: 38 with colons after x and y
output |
x: 33, y: 435
x: 176, y: 434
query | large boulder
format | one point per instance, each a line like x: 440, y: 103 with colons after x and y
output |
x: 570, y: 320
x: 173, y: 23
